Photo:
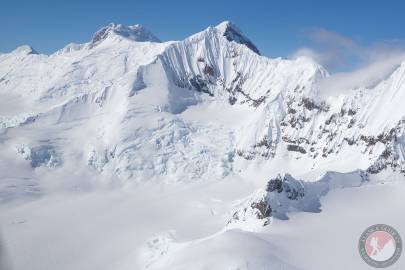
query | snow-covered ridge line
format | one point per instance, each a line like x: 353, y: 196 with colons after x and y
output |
x: 233, y: 33
x: 136, y: 33
x: 124, y: 75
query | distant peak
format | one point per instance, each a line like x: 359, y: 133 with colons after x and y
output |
x: 133, y: 32
x: 232, y: 33
x: 25, y: 49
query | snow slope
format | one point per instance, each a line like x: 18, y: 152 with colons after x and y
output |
x: 155, y: 230
x: 126, y: 152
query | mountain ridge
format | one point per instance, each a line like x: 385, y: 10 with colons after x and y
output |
x: 283, y: 114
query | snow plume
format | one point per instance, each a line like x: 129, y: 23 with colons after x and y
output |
x: 355, y: 65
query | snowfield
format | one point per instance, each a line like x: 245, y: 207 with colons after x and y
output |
x: 131, y: 153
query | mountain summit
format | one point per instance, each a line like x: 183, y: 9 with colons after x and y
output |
x: 24, y: 49
x: 133, y: 32
x: 233, y: 33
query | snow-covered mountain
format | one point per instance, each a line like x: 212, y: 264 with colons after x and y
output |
x: 126, y: 109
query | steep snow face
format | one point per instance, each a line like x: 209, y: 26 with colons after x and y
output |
x: 232, y: 74
x: 383, y: 100
x: 212, y: 64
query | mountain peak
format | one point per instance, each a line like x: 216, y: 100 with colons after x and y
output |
x: 25, y: 49
x: 226, y: 24
x: 232, y: 33
x: 133, y: 32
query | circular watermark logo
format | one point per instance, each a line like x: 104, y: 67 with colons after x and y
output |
x: 380, y: 245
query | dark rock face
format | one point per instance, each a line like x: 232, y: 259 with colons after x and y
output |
x: 296, y: 148
x: 232, y: 34
x: 310, y: 105
x: 390, y: 156
x: 264, y: 209
x: 200, y: 85
x: 32, y: 51
x: 208, y: 70
x: 284, y: 184
x: 256, y: 208
x: 100, y: 35
x: 384, y: 138
x: 275, y: 185
x: 236, y: 89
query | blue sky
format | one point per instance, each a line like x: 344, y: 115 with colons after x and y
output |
x: 278, y: 28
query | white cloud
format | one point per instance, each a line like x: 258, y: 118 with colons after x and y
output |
x: 336, y: 52
x: 366, y: 76
x: 328, y: 59
x: 331, y: 49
